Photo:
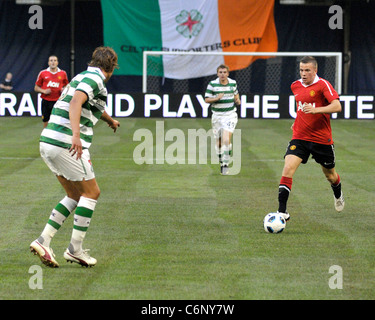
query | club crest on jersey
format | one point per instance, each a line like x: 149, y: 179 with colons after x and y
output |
x: 312, y: 93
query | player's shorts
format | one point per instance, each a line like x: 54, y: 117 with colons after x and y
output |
x: 225, y: 122
x: 47, y: 109
x: 321, y: 153
x: 61, y: 162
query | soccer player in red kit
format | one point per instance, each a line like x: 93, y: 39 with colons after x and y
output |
x: 316, y: 100
x: 50, y: 83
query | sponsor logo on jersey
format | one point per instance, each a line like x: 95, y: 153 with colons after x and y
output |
x: 53, y: 84
x: 300, y: 105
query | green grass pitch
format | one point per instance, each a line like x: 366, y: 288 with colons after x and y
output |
x: 164, y: 231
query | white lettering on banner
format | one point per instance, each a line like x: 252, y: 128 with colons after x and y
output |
x: 148, y: 105
x: 249, y: 105
x: 345, y: 103
x: 26, y: 105
x: 131, y: 105
x: 109, y: 108
x: 39, y: 103
x: 267, y: 106
x: 362, y: 106
x: 166, y: 112
x: 255, y: 105
x: 7, y: 105
x: 292, y: 107
x: 191, y: 105
x: 186, y: 106
x: 204, y: 105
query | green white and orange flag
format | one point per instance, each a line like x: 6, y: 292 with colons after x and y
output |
x: 134, y: 26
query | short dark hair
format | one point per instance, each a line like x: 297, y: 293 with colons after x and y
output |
x: 104, y: 58
x: 222, y: 66
x: 309, y: 59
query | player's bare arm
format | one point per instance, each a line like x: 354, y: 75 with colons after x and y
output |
x: 237, y: 99
x: 40, y: 90
x: 112, y: 123
x: 214, y: 99
x: 75, y: 109
x: 334, y: 106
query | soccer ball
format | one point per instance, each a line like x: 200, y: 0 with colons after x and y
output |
x: 274, y: 223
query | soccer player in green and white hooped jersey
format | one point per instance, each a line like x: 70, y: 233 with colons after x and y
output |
x: 64, y: 146
x: 223, y: 95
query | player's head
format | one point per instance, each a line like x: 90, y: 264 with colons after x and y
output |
x: 308, y: 68
x: 223, y: 66
x: 309, y: 59
x: 53, y: 62
x: 222, y: 72
x: 104, y: 58
x: 9, y: 76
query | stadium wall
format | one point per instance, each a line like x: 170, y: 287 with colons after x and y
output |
x: 190, y: 106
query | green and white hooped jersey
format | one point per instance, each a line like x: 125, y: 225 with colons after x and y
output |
x: 59, y: 130
x: 226, y: 104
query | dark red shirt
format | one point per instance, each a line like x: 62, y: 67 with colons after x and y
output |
x: 55, y: 81
x: 313, y: 127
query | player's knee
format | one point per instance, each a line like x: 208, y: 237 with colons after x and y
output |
x: 226, y: 141
x: 288, y: 170
x: 96, y: 193
x: 331, y: 177
x: 92, y: 194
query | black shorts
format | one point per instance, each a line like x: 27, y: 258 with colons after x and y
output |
x: 321, y: 153
x: 47, y: 109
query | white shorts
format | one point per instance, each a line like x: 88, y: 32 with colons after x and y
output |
x: 226, y: 122
x: 61, y: 163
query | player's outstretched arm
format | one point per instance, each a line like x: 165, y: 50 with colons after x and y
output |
x: 112, y: 123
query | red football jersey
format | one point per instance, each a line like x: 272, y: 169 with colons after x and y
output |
x: 313, y: 127
x: 55, y: 81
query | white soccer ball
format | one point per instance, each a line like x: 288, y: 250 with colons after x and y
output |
x: 274, y: 223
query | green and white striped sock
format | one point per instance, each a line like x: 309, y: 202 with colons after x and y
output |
x: 219, y: 153
x: 226, y: 158
x: 82, y: 219
x: 56, y: 219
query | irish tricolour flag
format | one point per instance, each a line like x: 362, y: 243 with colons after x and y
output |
x: 134, y: 26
